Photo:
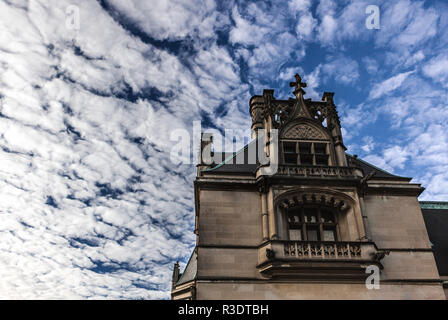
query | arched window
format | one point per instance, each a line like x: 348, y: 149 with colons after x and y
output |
x: 312, y: 223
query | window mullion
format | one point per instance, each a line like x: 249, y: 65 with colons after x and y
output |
x: 321, y: 228
x: 297, y: 154
x: 302, y: 217
x: 313, y: 155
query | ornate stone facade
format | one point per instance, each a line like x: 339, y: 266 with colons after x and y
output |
x: 304, y: 131
x: 313, y: 228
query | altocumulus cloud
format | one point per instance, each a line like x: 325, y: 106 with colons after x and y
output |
x: 91, y: 205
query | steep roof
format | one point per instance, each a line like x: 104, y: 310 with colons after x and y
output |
x: 236, y: 162
x: 368, y: 168
x: 190, y: 271
x: 232, y: 164
x: 435, y: 215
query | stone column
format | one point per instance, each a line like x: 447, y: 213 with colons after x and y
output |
x: 256, y: 109
x: 176, y: 274
x: 205, y: 158
x: 264, y: 217
x: 271, y: 215
x: 364, y: 218
x: 333, y: 121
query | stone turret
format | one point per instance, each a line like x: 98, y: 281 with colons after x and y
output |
x: 176, y: 274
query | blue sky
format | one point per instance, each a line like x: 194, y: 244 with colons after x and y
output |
x: 91, y: 204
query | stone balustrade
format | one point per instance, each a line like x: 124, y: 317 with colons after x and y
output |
x: 316, y: 258
x: 319, y: 171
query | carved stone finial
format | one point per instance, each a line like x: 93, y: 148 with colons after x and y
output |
x: 380, y: 254
x: 328, y: 97
x: 298, y: 85
x: 270, y: 254
x: 176, y: 273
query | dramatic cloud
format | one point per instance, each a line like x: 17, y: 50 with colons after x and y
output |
x: 92, y: 205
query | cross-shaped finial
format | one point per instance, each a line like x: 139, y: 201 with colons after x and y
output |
x: 298, y: 85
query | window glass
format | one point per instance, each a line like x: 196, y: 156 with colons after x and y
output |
x: 295, y: 234
x: 304, y: 147
x: 320, y: 148
x: 312, y: 234
x: 329, y: 235
x: 306, y: 159
x: 306, y: 153
x: 318, y: 223
x: 289, y: 147
x: 290, y: 159
x: 290, y: 155
x: 322, y: 160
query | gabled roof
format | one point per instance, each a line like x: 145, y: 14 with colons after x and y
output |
x: 231, y: 162
x: 368, y: 168
x: 230, y: 165
x: 435, y: 214
x: 190, y: 271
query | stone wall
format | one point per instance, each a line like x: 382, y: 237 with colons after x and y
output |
x: 298, y: 291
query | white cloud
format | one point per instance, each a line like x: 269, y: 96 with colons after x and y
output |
x: 288, y: 73
x: 370, y: 64
x: 342, y: 69
x: 327, y: 29
x: 245, y: 32
x: 313, y: 82
x: 326, y: 7
x: 85, y: 172
x: 299, y: 5
x: 391, y: 158
x: 171, y: 19
x: 437, y: 68
x: 379, y: 162
x: 388, y: 85
x: 306, y: 26
x: 396, y: 156
x: 436, y: 187
x: 368, y: 145
x: 405, y: 24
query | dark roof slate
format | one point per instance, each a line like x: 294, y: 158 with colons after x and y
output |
x: 190, y: 271
x: 435, y: 215
x: 368, y: 168
x: 231, y: 165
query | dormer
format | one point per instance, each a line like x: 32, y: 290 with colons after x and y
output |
x: 309, y: 131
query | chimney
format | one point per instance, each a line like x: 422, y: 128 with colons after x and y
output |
x: 176, y: 273
x: 205, y: 152
x: 335, y: 125
x: 256, y: 109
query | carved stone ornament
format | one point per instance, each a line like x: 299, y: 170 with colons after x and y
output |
x: 302, y: 113
x: 257, y: 114
x: 304, y: 131
x: 270, y: 254
x: 300, y: 198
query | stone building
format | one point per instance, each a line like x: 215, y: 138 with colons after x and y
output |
x: 318, y: 225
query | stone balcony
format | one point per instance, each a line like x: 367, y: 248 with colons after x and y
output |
x: 319, y: 171
x: 317, y: 259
